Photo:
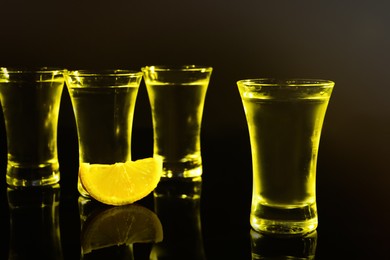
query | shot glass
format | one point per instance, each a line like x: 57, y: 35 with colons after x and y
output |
x: 177, y: 96
x: 285, y: 119
x: 30, y: 100
x: 103, y: 104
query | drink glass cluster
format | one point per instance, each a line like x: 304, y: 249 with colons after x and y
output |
x: 284, y: 118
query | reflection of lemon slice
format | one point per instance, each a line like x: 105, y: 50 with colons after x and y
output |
x: 121, y: 225
x: 121, y: 183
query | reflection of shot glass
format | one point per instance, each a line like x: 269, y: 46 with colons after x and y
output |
x: 285, y: 120
x: 111, y: 231
x: 34, y: 222
x: 294, y: 248
x: 177, y: 204
x: 103, y: 103
x: 177, y: 96
x: 30, y: 101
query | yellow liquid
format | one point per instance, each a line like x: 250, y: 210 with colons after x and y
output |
x: 31, y: 118
x: 177, y: 114
x: 104, y: 118
x: 284, y: 136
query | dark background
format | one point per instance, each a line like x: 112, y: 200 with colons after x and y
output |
x: 345, y: 41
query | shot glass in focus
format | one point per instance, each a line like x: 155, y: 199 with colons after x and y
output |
x: 103, y: 103
x: 285, y: 119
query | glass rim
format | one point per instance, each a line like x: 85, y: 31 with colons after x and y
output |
x: 104, y: 72
x: 288, y: 82
x: 38, y: 70
x: 191, y: 67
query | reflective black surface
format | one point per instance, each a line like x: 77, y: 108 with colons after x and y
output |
x: 205, y: 219
x: 34, y: 230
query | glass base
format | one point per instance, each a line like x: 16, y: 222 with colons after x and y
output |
x: 181, y: 170
x: 284, y: 221
x: 179, y: 188
x: 41, y: 175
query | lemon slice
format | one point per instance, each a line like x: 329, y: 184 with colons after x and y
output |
x: 122, y: 225
x: 121, y: 183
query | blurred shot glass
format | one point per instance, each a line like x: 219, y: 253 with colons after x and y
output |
x: 30, y: 100
x: 177, y: 96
